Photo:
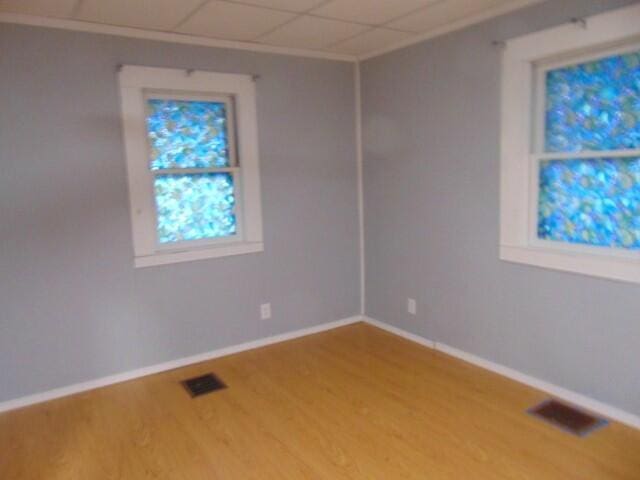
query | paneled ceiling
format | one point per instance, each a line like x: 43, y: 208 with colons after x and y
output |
x: 352, y: 27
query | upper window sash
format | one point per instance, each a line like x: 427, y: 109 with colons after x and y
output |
x: 540, y: 95
x: 226, y: 100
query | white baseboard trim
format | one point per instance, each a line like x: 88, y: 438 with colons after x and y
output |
x: 560, y: 392
x: 398, y: 331
x: 577, y: 399
x: 170, y: 365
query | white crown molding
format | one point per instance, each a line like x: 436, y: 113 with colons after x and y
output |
x: 170, y: 365
x: 577, y: 399
x: 450, y: 27
x: 90, y: 27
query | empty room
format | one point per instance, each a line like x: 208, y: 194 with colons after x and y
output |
x: 320, y: 239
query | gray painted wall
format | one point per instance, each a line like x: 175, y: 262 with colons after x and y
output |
x: 431, y: 171
x: 73, y: 306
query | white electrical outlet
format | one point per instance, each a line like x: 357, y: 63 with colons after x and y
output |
x: 265, y: 311
x: 411, y: 306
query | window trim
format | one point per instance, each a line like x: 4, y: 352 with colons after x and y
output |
x: 521, y: 62
x: 136, y: 84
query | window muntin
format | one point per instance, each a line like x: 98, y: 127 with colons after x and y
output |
x: 588, y: 108
x: 192, y: 159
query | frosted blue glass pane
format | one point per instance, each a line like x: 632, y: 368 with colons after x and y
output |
x: 187, y: 134
x: 594, y: 105
x: 590, y: 201
x: 194, y: 206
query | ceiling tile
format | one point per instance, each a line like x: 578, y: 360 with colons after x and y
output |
x: 312, y: 32
x: 442, y: 13
x: 370, y: 41
x: 45, y: 8
x: 289, y: 5
x: 152, y: 14
x: 374, y: 13
x: 232, y: 21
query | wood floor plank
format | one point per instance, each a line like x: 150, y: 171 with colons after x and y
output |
x: 349, y: 404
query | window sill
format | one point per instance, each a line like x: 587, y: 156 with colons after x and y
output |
x: 625, y: 270
x: 164, y: 258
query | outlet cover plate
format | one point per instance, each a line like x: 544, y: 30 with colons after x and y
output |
x: 411, y: 306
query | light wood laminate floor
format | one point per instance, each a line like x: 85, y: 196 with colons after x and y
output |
x: 351, y: 403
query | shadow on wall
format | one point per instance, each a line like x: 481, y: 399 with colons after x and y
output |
x: 384, y: 137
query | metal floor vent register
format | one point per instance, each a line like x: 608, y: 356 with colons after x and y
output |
x: 567, y: 417
x: 204, y: 384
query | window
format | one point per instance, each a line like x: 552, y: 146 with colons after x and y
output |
x: 588, y: 158
x: 191, y: 148
x: 570, y: 166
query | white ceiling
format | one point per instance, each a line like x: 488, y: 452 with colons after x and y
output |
x: 352, y: 27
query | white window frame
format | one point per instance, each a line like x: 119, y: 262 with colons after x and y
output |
x: 137, y: 84
x: 524, y: 59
